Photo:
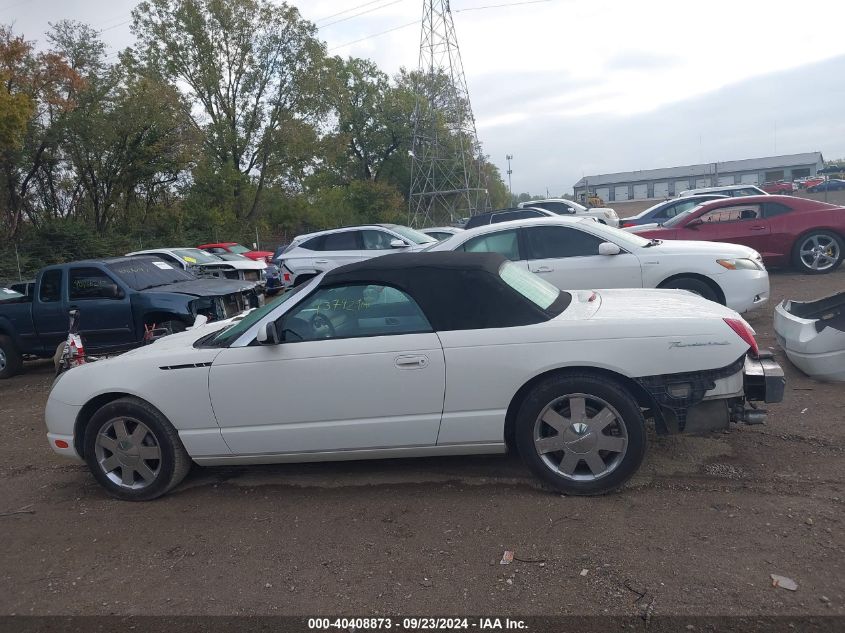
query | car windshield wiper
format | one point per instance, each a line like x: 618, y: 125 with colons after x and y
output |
x: 654, y: 242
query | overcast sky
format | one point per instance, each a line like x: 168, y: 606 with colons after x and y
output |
x: 575, y: 87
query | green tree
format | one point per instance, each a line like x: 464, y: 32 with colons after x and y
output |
x: 254, y: 70
x: 40, y: 87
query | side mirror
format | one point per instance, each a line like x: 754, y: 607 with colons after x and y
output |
x: 609, y: 248
x: 397, y: 243
x: 696, y: 222
x: 268, y: 334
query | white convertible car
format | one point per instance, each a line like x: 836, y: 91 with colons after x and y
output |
x: 577, y: 253
x: 412, y: 355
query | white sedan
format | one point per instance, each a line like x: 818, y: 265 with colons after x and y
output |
x: 581, y: 254
x: 417, y: 354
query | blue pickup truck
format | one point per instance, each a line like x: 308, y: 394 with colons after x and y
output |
x: 118, y: 300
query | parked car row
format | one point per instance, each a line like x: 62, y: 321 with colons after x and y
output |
x: 556, y: 335
x: 419, y: 354
x: 785, y: 230
x: 119, y: 299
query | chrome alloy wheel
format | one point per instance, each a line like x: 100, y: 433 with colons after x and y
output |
x: 819, y: 252
x: 128, y: 453
x: 580, y: 437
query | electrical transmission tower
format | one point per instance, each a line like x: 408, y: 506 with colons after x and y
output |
x: 447, y: 178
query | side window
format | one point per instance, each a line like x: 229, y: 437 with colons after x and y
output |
x: 504, y: 242
x: 90, y: 283
x: 170, y: 260
x: 51, y: 287
x: 560, y: 208
x: 514, y: 215
x: 353, y: 311
x: 314, y: 244
x: 745, y: 192
x: 732, y: 214
x: 376, y: 240
x: 344, y: 241
x: 552, y: 242
x: 772, y: 209
x: 681, y: 208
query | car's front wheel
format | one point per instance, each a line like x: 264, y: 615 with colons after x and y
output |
x: 10, y: 358
x: 696, y: 286
x: 582, y: 434
x: 133, y: 451
x: 818, y: 252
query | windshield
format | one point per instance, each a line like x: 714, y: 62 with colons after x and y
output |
x: 195, y: 256
x: 233, y: 332
x: 619, y: 236
x: 233, y: 257
x: 237, y: 248
x: 410, y: 234
x: 7, y: 294
x: 680, y: 217
x: 642, y: 214
x: 140, y: 273
x: 538, y: 291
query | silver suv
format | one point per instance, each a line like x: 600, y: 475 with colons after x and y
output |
x: 313, y: 253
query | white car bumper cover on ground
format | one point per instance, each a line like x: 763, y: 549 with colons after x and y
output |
x: 813, y: 336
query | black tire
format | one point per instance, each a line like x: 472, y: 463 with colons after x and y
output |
x: 595, y: 388
x: 169, y: 470
x: 11, y: 360
x: 801, y: 265
x: 701, y: 288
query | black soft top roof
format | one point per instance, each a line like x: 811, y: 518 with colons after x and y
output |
x: 456, y: 290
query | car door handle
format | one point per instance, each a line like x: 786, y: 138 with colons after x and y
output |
x: 321, y: 261
x: 543, y: 269
x: 411, y: 362
x: 758, y: 228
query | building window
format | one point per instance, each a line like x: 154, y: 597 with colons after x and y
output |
x: 772, y: 176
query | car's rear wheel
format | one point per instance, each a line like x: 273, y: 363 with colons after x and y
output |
x: 581, y: 434
x: 696, y: 286
x: 133, y: 451
x: 11, y: 360
x: 818, y: 252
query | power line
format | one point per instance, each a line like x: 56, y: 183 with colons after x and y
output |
x: 359, y: 14
x: 114, y: 26
x: 333, y: 15
x: 402, y: 26
x: 499, y: 6
x: 369, y: 37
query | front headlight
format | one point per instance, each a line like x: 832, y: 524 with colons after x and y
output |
x: 739, y: 264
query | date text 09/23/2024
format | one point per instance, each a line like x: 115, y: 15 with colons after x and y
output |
x: 416, y: 623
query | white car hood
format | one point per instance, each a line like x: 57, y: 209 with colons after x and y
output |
x: 689, y: 247
x: 652, y: 304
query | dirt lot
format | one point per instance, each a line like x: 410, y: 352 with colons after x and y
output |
x: 697, y: 532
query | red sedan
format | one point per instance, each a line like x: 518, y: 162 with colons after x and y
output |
x: 785, y: 230
x: 237, y: 249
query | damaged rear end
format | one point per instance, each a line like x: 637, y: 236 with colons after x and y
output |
x: 710, y: 400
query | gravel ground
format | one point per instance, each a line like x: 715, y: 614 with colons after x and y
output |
x: 698, y: 531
